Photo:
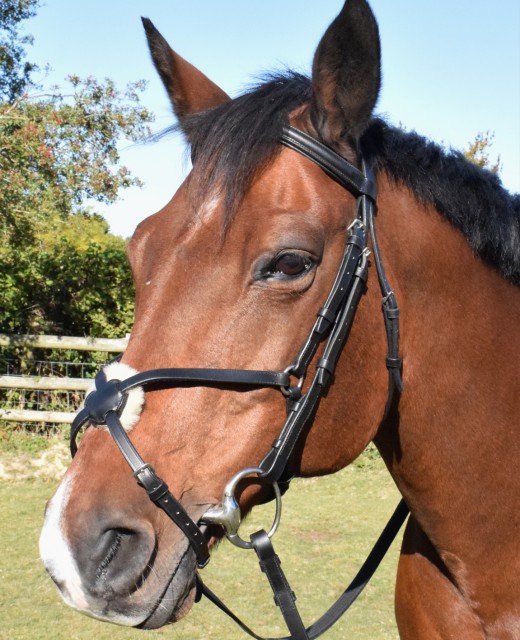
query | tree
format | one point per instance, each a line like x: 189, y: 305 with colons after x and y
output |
x: 15, y: 73
x: 59, y: 151
x: 75, y: 281
x: 61, y: 271
x: 478, y: 152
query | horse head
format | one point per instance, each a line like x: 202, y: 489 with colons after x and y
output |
x: 245, y: 295
x: 229, y: 274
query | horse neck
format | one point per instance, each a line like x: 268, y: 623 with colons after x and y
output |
x: 456, y: 426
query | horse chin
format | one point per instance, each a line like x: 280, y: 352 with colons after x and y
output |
x: 177, y: 599
x: 162, y: 616
x: 164, y: 613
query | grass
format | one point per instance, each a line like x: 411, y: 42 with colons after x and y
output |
x: 328, y: 527
x: 15, y: 440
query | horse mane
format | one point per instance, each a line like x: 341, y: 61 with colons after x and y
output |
x: 470, y: 197
x: 234, y: 142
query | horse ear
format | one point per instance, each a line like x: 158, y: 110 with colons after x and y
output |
x: 190, y: 91
x: 346, y: 76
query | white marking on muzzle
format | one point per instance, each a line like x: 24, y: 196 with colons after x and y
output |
x: 135, y: 400
x: 58, y: 559
x: 55, y: 552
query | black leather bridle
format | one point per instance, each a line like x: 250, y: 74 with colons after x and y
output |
x: 332, y: 326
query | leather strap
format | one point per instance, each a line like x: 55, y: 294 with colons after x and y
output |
x: 207, y: 377
x: 328, y: 314
x: 342, y: 604
x: 344, y: 173
x: 101, y: 411
x: 284, y: 596
x: 302, y: 411
x: 157, y: 489
x: 110, y: 395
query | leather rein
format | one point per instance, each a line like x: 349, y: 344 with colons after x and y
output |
x: 105, y: 405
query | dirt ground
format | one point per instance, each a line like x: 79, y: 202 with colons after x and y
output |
x: 45, y: 465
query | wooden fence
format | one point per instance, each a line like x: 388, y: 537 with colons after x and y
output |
x: 51, y: 383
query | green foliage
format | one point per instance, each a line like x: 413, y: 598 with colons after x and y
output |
x: 15, y: 73
x: 90, y: 292
x: 16, y: 441
x: 61, y: 271
x: 479, y: 151
x: 75, y: 282
x: 59, y: 150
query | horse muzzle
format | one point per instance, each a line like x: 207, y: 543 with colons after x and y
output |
x: 114, y: 566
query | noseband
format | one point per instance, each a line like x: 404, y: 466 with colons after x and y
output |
x: 332, y: 326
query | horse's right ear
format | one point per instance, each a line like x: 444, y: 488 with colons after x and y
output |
x: 189, y: 90
x: 346, y: 76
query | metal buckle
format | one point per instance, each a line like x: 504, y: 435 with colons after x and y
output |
x: 387, y: 297
x: 356, y: 223
x: 145, y: 467
x: 288, y: 391
x: 227, y: 513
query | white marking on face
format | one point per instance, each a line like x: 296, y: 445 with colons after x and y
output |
x: 135, y: 400
x: 55, y: 552
x: 209, y: 207
x: 58, y: 559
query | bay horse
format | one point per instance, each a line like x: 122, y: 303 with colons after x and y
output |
x: 229, y: 277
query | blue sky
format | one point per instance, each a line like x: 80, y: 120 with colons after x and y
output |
x: 451, y: 68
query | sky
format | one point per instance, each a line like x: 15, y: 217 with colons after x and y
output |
x: 451, y: 68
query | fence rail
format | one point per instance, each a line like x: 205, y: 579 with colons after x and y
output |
x: 105, y: 345
x: 29, y: 398
x: 26, y: 415
x: 50, y: 383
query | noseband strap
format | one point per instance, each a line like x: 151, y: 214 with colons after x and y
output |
x: 332, y: 326
x: 105, y: 405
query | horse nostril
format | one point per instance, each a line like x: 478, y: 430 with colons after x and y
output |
x: 117, y: 562
x: 117, y: 536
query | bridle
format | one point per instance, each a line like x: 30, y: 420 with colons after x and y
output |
x: 333, y: 323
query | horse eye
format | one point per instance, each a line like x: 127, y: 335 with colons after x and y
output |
x: 290, y: 265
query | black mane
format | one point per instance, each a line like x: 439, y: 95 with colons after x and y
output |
x: 470, y: 197
x: 234, y: 142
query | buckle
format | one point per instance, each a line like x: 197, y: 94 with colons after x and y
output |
x: 294, y: 392
x: 145, y: 467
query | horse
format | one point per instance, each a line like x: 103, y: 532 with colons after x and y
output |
x: 231, y: 276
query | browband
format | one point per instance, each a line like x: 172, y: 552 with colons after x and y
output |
x: 332, y: 163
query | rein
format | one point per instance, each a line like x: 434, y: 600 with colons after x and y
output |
x: 333, y: 323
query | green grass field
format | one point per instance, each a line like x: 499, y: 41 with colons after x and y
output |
x: 328, y: 527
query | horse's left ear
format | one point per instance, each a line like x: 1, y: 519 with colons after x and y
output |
x: 346, y: 76
x: 190, y: 91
